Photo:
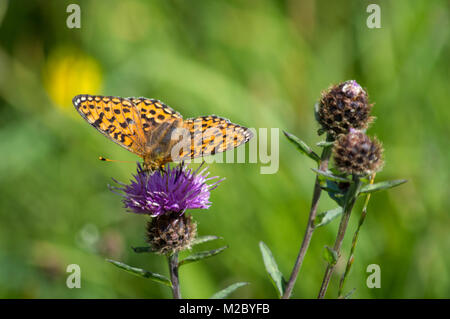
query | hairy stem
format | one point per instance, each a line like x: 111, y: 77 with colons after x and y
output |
x: 325, y: 157
x: 173, y: 268
x: 354, y: 241
x: 350, y: 200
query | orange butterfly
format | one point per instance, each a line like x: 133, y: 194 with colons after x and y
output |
x: 151, y: 129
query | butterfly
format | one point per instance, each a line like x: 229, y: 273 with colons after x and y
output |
x: 156, y: 132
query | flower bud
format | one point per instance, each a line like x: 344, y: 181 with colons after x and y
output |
x: 342, y: 107
x: 355, y: 153
x: 170, y: 233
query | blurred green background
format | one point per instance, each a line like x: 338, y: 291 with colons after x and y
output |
x: 259, y: 63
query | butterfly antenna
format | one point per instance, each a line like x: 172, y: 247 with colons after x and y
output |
x: 104, y: 159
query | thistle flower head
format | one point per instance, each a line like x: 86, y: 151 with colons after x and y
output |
x: 355, y: 153
x: 342, y: 107
x: 170, y: 233
x: 171, y: 191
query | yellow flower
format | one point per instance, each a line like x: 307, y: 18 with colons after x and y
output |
x: 69, y: 72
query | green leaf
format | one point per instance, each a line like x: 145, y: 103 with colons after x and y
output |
x: 272, y: 268
x: 302, y: 146
x: 324, y: 144
x: 332, y: 187
x: 335, y: 192
x: 326, y: 217
x: 371, y: 188
x: 225, y: 292
x: 140, y: 250
x: 335, y: 171
x: 330, y: 176
x: 330, y: 255
x: 204, y: 239
x: 142, y: 273
x: 338, y: 198
x: 202, y: 255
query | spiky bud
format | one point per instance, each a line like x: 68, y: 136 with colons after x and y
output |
x: 355, y: 153
x: 170, y: 233
x: 342, y: 107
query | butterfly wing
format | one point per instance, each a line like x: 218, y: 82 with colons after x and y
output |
x: 115, y: 117
x: 212, y: 134
x: 144, y: 127
x: 154, y: 112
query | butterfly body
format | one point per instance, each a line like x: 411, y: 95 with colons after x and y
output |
x: 159, y: 144
x: 157, y: 133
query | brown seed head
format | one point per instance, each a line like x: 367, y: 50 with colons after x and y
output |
x: 355, y: 153
x: 342, y: 107
x: 170, y: 233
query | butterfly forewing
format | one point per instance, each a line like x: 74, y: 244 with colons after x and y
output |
x: 117, y: 118
x: 153, y: 112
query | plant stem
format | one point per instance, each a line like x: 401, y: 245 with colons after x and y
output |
x: 173, y: 268
x: 350, y: 200
x: 354, y: 241
x: 323, y: 165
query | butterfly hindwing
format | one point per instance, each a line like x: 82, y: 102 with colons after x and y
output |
x: 116, y: 118
x: 212, y: 134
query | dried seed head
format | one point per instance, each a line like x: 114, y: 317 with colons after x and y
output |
x: 342, y: 107
x: 355, y: 153
x: 170, y: 233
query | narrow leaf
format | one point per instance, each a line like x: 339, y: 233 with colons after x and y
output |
x: 142, y: 273
x: 140, y: 250
x: 324, y: 144
x: 202, y: 255
x: 204, y: 239
x: 330, y: 255
x: 225, y: 292
x: 338, y: 198
x: 326, y: 217
x: 371, y: 188
x: 302, y: 146
x: 333, y: 187
x: 272, y: 268
x: 330, y: 176
x: 334, y: 191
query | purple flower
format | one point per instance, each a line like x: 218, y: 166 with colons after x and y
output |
x: 173, y: 190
